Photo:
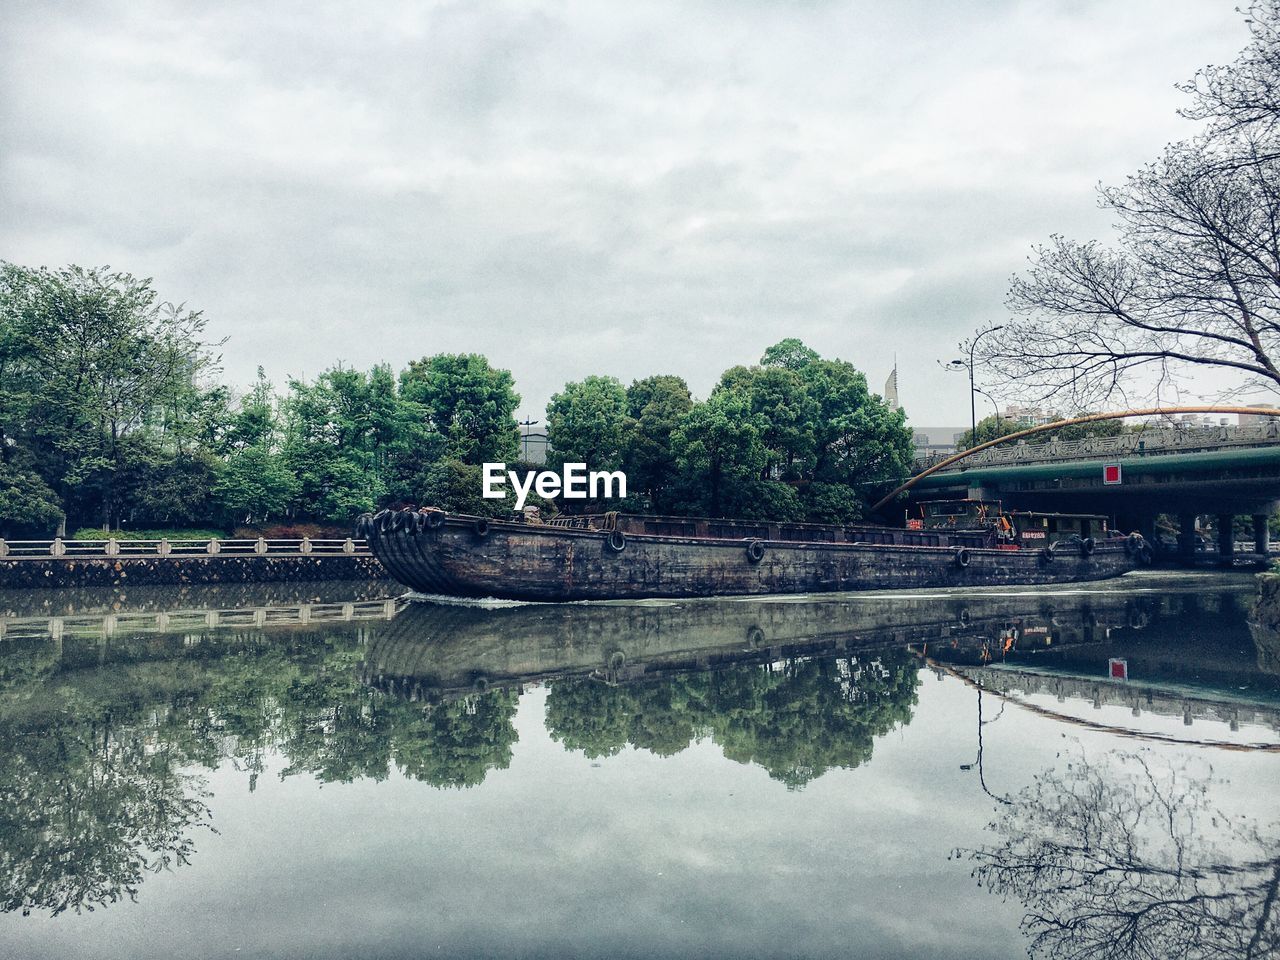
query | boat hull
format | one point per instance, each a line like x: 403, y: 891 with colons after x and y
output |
x: 467, y: 557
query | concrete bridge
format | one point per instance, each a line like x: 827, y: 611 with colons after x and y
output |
x: 1182, y: 470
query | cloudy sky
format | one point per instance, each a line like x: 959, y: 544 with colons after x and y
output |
x: 581, y: 187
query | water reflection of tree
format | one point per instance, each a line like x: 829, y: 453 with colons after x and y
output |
x: 1126, y: 859
x: 90, y: 805
x: 99, y: 769
x: 796, y: 719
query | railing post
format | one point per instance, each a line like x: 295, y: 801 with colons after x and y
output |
x: 305, y: 547
x: 57, y: 548
x: 213, y: 546
x: 163, y: 547
x: 4, y: 548
x: 113, y: 547
x: 348, y: 547
x: 261, y: 546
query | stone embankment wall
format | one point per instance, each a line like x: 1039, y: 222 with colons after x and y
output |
x: 1265, y: 625
x: 137, y: 571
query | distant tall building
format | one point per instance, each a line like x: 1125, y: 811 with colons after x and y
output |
x: 891, y: 389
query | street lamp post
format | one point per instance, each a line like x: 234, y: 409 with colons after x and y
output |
x: 973, y: 387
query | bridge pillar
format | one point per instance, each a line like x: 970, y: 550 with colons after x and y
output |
x: 1226, y: 536
x: 1187, y: 537
x: 1261, y: 533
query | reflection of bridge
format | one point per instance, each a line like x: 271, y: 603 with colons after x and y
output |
x: 1182, y: 470
x: 1137, y: 698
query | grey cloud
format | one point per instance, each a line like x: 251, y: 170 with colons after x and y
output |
x: 573, y: 188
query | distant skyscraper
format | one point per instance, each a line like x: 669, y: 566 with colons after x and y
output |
x: 891, y: 388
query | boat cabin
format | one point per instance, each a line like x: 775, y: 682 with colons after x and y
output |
x: 953, y: 515
x: 1034, y: 529
x: 1028, y: 528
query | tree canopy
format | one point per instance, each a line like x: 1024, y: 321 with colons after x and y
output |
x: 1191, y: 282
x: 110, y: 417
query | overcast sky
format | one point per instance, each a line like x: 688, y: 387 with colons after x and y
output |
x: 584, y: 187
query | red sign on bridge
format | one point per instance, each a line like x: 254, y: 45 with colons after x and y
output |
x: 1111, y: 473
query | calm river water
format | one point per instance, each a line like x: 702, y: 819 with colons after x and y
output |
x: 323, y: 770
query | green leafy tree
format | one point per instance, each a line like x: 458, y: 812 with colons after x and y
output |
x: 96, y: 371
x: 655, y: 407
x: 27, y: 504
x: 790, y: 354
x: 797, y: 719
x: 586, y: 423
x: 467, y: 403
x: 719, y: 450
x: 256, y: 483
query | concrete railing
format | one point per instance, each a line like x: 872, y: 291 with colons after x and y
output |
x: 97, y: 549
x: 109, y: 624
x: 1158, y: 440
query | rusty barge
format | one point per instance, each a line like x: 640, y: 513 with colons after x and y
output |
x: 619, y: 557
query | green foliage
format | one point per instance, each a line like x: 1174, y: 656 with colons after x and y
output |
x: 796, y: 722
x: 97, y: 375
x: 27, y: 505
x: 790, y: 354
x: 470, y: 405
x: 832, y: 503
x: 105, y: 418
x: 458, y: 487
x: 163, y: 533
x: 586, y: 422
x: 992, y: 428
x: 718, y: 447
x: 655, y: 407
x: 798, y: 438
x: 988, y: 429
x: 256, y: 485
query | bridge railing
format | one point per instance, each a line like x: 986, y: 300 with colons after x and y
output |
x: 1139, y: 443
x: 216, y: 547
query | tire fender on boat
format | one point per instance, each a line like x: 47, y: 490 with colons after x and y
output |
x: 1046, y: 555
x: 755, y: 551
x: 435, y: 519
x: 481, y: 527
x: 617, y: 541
x: 1087, y: 546
x: 962, y: 556
x: 402, y: 520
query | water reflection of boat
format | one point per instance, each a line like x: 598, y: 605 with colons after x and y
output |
x: 431, y: 651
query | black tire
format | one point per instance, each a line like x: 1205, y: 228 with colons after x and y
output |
x: 403, y: 520
x: 617, y: 660
x: 962, y: 557
x: 364, y: 526
x: 755, y: 551
x: 383, y: 520
x: 755, y: 636
x: 435, y: 519
x: 1046, y: 555
x: 1133, y: 544
x: 419, y: 521
x: 481, y: 527
x: 616, y: 541
x: 1087, y: 546
x: 1145, y: 556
